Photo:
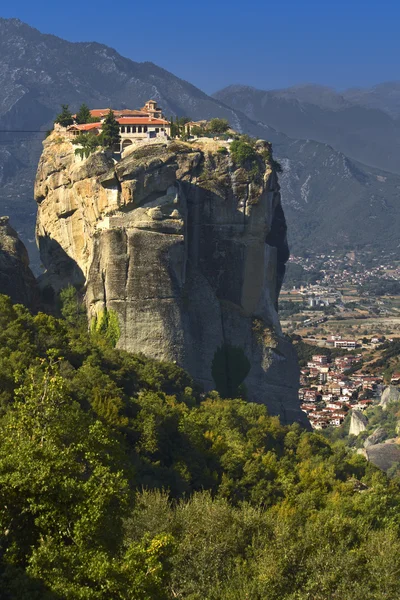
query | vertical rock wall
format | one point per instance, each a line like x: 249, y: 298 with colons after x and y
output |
x: 16, y: 278
x: 187, y: 247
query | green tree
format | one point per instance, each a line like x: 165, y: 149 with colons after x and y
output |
x: 242, y: 152
x: 174, y: 128
x: 106, y: 323
x: 88, y: 143
x: 110, y: 135
x: 218, y: 125
x: 83, y: 115
x: 72, y: 308
x: 65, y: 117
x: 62, y: 486
x: 198, y: 131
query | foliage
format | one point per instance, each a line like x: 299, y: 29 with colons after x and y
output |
x: 296, y: 275
x: 306, y: 351
x: 71, y: 307
x: 174, y: 128
x: 106, y: 323
x: 65, y: 117
x: 83, y: 115
x: 119, y: 480
x: 89, y: 143
x: 198, y: 131
x: 218, y: 126
x: 110, y: 135
x: 380, y: 287
x: 230, y: 368
x: 389, y: 358
x: 242, y: 152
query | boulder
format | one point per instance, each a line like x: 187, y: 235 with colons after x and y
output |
x: 384, y: 455
x: 358, y: 422
x: 376, y: 437
x: 389, y: 394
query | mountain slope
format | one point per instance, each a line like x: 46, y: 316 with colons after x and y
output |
x: 333, y: 203
x: 366, y: 134
x: 384, y: 96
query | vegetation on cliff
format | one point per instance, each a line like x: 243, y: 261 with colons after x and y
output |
x: 119, y: 480
x: 65, y: 117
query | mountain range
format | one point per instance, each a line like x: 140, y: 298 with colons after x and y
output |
x: 340, y: 180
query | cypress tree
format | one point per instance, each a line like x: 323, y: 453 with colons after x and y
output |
x: 110, y: 135
x: 83, y: 115
x: 65, y: 116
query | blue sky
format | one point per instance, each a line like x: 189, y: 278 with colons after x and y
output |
x: 267, y: 44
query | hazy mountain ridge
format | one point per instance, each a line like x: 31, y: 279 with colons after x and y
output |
x: 385, y: 96
x: 369, y: 135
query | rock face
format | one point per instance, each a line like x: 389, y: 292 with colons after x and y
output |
x: 16, y: 278
x: 358, y: 422
x: 390, y: 394
x: 376, y: 437
x: 384, y: 455
x: 187, y: 247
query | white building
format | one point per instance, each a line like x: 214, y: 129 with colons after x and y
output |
x: 143, y: 124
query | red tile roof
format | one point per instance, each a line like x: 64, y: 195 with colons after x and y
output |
x: 85, y: 126
x: 141, y: 121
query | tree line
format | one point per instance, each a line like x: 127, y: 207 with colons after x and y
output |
x: 120, y: 478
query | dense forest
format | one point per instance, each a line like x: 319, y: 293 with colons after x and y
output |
x: 119, y: 479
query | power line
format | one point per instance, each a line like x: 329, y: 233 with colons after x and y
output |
x: 22, y: 131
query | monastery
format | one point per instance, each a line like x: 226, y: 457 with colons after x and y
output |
x: 146, y: 123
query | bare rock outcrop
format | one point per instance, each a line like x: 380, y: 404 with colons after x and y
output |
x: 16, y: 278
x: 389, y: 394
x: 384, y: 455
x: 376, y: 437
x: 187, y: 247
x: 358, y: 422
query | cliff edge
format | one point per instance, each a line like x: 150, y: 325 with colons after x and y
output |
x: 187, y: 245
x: 16, y: 278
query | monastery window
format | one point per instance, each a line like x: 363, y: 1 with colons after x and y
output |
x: 134, y: 129
x: 145, y: 129
x: 123, y: 129
x: 139, y: 129
x: 128, y: 129
x: 157, y: 129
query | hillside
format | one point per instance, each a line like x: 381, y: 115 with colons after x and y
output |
x: 368, y: 135
x: 38, y: 72
x: 145, y: 490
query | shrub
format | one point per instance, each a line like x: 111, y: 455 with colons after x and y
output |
x: 106, y: 323
x: 242, y: 153
x: 89, y: 142
x: 218, y: 125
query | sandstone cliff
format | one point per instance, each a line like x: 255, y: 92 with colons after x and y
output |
x: 390, y: 394
x: 187, y: 247
x: 358, y: 422
x: 16, y: 278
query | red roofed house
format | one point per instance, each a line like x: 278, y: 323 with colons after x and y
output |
x: 146, y: 123
x: 94, y: 128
